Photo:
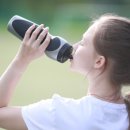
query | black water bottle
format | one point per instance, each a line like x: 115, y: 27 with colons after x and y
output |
x: 58, y: 49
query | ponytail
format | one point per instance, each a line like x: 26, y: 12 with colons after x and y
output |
x: 127, y: 102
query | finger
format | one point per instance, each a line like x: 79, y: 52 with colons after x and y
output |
x: 36, y: 33
x: 42, y: 36
x: 44, y: 45
x: 28, y: 32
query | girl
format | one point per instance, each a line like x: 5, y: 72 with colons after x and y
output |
x: 102, y: 55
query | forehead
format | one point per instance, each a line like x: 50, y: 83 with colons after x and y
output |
x: 89, y: 32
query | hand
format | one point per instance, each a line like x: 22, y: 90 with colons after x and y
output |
x: 31, y: 47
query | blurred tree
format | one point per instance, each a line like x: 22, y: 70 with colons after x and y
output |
x: 44, y: 10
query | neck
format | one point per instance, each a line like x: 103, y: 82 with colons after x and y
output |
x: 102, y: 89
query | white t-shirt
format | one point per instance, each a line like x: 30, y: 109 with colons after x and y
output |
x: 87, y: 113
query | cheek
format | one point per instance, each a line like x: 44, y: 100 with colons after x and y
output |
x: 81, y: 61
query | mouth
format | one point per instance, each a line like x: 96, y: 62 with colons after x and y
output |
x: 73, y: 53
x: 71, y: 57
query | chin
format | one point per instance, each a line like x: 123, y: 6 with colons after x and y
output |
x: 77, y: 70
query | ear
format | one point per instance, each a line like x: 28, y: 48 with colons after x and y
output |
x: 100, y: 62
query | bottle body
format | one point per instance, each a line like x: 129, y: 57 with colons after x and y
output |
x: 58, y: 48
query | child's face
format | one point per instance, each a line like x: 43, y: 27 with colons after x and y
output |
x: 84, y: 53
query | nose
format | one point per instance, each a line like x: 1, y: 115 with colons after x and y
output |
x: 75, y: 46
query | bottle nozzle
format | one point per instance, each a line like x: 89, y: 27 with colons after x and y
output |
x: 65, y: 53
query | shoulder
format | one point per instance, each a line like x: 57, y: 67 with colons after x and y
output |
x: 57, y: 110
x: 69, y: 102
x: 56, y: 102
x: 64, y: 106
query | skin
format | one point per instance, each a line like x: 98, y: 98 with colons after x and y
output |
x: 89, y: 63
x: 28, y: 51
x: 85, y: 61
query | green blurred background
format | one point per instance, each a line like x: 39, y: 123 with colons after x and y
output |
x: 66, y: 18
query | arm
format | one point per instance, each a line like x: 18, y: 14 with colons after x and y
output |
x: 30, y: 49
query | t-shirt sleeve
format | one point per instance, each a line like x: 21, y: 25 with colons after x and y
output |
x: 53, y: 114
x: 40, y: 115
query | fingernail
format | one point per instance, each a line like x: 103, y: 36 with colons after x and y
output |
x: 47, y: 28
x: 40, y: 25
x: 33, y: 25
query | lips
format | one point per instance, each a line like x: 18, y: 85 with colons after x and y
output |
x: 72, y: 56
x: 74, y: 50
